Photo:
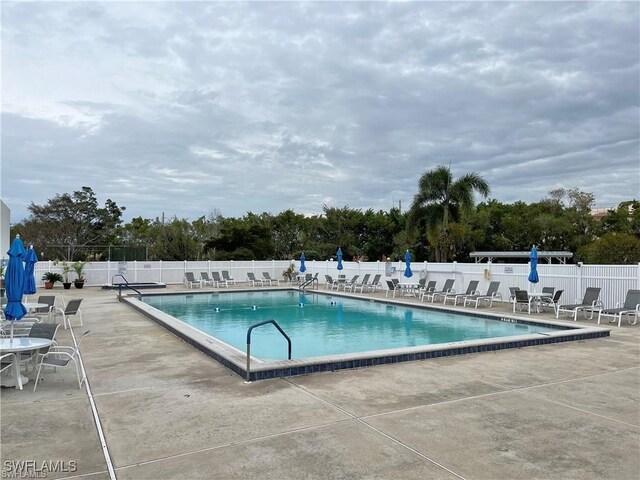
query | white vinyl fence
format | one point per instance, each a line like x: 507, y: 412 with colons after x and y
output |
x: 614, y: 280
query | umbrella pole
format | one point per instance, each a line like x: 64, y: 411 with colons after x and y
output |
x: 11, y: 330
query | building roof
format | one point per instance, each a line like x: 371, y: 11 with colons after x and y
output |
x: 561, y: 257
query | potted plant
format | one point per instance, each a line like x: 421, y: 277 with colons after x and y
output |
x: 290, y: 273
x: 66, y: 270
x: 50, y: 278
x: 78, y: 267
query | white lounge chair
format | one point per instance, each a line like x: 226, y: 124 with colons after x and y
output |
x: 253, y: 281
x: 489, y: 297
x: 631, y: 308
x: 471, y: 290
x: 330, y: 282
x: 227, y: 278
x: 268, y: 279
x: 363, y: 284
x: 590, y: 303
x: 205, y: 279
x: 447, y: 288
x: 350, y: 284
x: 217, y: 281
x: 190, y: 281
x: 375, y: 283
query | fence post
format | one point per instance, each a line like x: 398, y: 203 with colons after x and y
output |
x: 579, y: 280
x: 160, y: 271
x: 135, y: 271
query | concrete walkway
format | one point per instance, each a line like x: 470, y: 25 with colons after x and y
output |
x: 168, y: 411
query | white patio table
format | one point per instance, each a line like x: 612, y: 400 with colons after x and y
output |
x: 535, y: 298
x: 12, y: 377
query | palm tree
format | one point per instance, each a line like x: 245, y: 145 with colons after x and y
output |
x: 441, y: 200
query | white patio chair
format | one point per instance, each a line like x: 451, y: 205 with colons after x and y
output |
x: 60, y: 357
x: 72, y: 309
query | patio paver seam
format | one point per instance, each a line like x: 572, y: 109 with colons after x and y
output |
x: 558, y: 382
x: 538, y: 397
x: 500, y: 392
x: 376, y: 430
x: 160, y: 386
x: 232, y: 444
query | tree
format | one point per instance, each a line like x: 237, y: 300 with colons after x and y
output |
x: 613, y: 249
x: 289, y: 234
x: 624, y: 219
x: 71, y: 227
x: 441, y: 200
x: 174, y: 240
x: 247, y: 238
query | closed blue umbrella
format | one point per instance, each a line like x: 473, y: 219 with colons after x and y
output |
x: 533, y: 257
x: 303, y: 267
x: 14, y: 282
x: 339, y: 255
x: 30, y: 261
x: 407, y: 260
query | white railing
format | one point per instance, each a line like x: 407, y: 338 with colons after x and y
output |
x: 614, y: 280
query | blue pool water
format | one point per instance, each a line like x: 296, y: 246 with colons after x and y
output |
x: 324, y: 324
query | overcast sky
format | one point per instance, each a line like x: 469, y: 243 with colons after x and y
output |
x: 184, y: 108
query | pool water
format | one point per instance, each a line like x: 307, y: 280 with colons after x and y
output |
x: 320, y: 325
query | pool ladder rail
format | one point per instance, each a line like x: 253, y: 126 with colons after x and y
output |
x: 249, y: 343
x: 312, y: 281
x: 126, y: 285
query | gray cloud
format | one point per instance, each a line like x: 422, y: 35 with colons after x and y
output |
x: 186, y: 107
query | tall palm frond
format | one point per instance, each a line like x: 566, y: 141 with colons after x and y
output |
x: 440, y: 200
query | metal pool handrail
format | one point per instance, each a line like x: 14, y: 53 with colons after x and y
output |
x: 126, y: 284
x: 310, y: 282
x: 249, y: 343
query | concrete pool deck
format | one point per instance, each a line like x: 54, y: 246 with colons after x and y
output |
x: 568, y: 410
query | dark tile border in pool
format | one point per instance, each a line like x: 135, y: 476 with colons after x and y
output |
x: 235, y: 359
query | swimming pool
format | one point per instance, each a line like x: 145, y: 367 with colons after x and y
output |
x: 321, y: 325
x: 334, y: 331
